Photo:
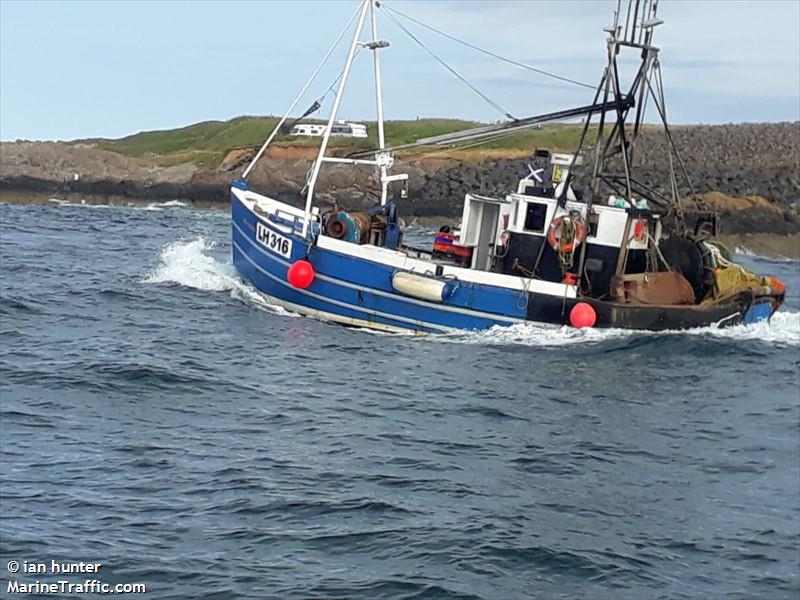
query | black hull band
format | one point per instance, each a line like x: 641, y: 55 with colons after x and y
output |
x: 551, y: 309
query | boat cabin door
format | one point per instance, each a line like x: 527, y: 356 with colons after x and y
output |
x: 480, y: 227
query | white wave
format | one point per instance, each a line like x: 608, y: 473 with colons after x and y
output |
x: 81, y: 204
x: 156, y: 206
x: 152, y: 206
x: 188, y: 264
x: 783, y: 329
x: 780, y: 258
x: 249, y: 295
x: 540, y: 334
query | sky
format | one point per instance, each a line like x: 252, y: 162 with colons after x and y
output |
x: 73, y: 70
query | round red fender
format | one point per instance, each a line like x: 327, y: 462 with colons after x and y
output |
x: 582, y: 315
x: 300, y: 274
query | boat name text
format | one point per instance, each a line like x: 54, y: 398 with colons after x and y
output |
x: 274, y: 241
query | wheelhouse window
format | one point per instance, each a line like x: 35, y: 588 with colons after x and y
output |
x: 535, y: 216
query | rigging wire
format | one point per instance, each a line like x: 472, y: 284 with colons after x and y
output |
x: 455, y: 146
x: 297, y: 98
x: 448, y: 67
x: 317, y: 104
x: 659, y: 104
x: 335, y: 81
x: 489, y: 52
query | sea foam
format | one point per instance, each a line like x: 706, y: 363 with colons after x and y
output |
x: 188, y: 263
x: 782, y: 329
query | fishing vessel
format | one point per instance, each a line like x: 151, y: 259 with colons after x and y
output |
x: 609, y: 251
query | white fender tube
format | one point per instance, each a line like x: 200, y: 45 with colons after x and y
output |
x: 425, y: 288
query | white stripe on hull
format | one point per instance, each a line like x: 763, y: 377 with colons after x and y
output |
x: 415, y: 323
x: 361, y: 288
x: 400, y: 260
x: 329, y: 316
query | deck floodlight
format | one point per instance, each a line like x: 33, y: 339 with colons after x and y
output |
x: 650, y: 23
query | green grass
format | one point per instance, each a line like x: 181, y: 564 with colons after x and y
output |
x: 554, y: 137
x: 203, y: 142
x: 207, y: 143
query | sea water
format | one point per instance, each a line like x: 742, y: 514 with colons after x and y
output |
x: 162, y: 419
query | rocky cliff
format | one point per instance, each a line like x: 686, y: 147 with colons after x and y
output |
x: 749, y: 172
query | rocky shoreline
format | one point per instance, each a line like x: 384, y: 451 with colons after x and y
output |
x: 750, y: 173
x: 783, y: 246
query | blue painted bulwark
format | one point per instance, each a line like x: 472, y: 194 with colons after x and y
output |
x: 761, y: 311
x: 360, y: 289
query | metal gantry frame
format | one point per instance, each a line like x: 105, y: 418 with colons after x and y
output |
x: 618, y: 142
x: 383, y: 159
x: 636, y: 34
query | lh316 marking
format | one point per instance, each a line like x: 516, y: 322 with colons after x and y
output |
x: 274, y: 241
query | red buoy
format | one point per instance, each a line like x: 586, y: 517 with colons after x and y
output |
x: 582, y: 315
x: 301, y: 274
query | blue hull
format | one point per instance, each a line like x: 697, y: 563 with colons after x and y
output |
x: 357, y: 291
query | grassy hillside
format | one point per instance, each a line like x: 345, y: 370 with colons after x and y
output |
x: 203, y: 143
x: 207, y: 143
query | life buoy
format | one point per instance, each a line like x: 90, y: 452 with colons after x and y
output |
x: 566, y: 233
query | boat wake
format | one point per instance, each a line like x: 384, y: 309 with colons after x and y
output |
x: 783, y: 329
x: 190, y: 264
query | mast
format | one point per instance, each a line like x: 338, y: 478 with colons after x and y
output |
x: 312, y: 182
x: 375, y: 46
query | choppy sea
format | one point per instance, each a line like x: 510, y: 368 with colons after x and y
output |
x: 158, y: 416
